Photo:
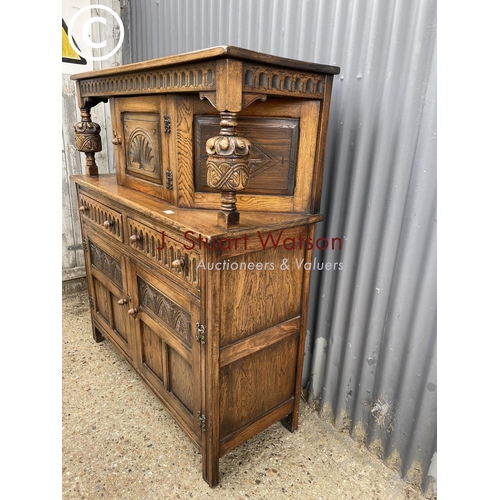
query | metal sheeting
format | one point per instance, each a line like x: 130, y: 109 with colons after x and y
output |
x: 371, y: 361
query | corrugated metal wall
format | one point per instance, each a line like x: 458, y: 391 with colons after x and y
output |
x: 371, y: 358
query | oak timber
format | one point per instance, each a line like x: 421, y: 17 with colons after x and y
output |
x: 195, y: 249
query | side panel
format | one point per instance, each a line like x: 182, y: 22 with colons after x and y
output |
x: 261, y: 333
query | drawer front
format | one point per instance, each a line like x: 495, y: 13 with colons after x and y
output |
x: 170, y: 254
x: 100, y: 215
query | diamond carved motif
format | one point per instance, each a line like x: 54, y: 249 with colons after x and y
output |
x: 272, y: 160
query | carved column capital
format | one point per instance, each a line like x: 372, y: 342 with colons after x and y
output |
x: 228, y: 167
x: 87, y: 137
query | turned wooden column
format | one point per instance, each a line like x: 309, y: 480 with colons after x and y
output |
x: 228, y: 167
x: 87, y: 139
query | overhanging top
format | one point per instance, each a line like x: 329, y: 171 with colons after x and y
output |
x: 219, y: 52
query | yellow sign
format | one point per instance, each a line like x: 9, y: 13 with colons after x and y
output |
x: 68, y: 53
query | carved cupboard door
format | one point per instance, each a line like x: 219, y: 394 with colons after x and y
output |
x: 167, y: 326
x: 141, y: 133
x: 108, y: 291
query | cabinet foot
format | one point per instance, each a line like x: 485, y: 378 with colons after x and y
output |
x: 212, y: 477
x: 98, y: 337
x: 289, y: 423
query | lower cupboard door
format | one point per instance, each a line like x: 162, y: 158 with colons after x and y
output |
x: 111, y: 316
x: 169, y: 355
x: 107, y: 288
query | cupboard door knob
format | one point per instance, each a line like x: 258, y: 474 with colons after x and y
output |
x: 178, y: 263
x: 135, y: 237
x: 123, y: 301
x: 108, y: 223
x: 132, y: 311
x: 83, y: 208
x: 117, y: 140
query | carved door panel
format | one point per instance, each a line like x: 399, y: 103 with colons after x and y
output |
x: 167, y: 326
x: 283, y: 136
x: 141, y: 136
x: 110, y: 300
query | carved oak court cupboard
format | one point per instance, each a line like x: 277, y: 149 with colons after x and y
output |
x: 195, y: 249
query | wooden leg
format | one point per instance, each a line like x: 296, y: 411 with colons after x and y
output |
x: 97, y: 335
x: 291, y: 421
x: 288, y: 423
x: 210, y: 468
x: 210, y: 451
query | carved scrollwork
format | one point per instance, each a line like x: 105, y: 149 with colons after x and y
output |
x: 173, y: 315
x: 109, y: 266
x: 227, y: 176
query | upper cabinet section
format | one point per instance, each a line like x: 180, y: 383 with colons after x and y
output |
x: 222, y: 128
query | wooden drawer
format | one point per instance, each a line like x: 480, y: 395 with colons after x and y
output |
x: 161, y: 248
x: 101, y: 216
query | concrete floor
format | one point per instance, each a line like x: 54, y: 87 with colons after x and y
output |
x: 120, y: 443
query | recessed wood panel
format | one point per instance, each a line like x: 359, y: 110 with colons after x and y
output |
x: 151, y: 351
x: 142, y: 149
x: 256, y: 384
x: 259, y: 299
x: 283, y: 168
x: 101, y: 300
x: 273, y: 153
x: 180, y: 378
x: 120, y: 318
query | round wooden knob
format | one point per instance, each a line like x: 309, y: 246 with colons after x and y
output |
x: 122, y: 302
x: 178, y: 263
x: 83, y: 208
x: 117, y: 140
x: 108, y: 223
x: 132, y: 311
x: 135, y: 237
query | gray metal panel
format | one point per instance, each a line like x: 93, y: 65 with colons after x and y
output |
x: 371, y: 356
